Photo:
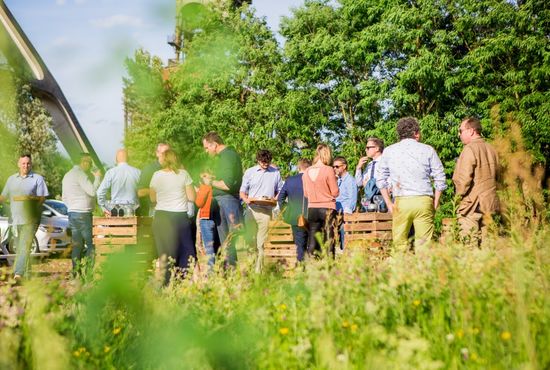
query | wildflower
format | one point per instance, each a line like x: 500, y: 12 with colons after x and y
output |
x: 353, y: 328
x: 116, y: 331
x: 283, y: 331
x: 107, y: 349
x: 474, y: 357
x: 345, y: 324
x: 76, y: 353
x: 475, y: 331
x: 465, y: 354
x: 341, y: 357
x: 450, y: 337
x: 505, y: 335
x: 460, y: 333
x: 282, y: 307
x: 416, y: 302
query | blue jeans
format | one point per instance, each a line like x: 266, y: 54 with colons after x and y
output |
x: 83, y: 244
x: 23, y: 241
x: 210, y: 240
x: 300, y: 240
x: 231, y: 215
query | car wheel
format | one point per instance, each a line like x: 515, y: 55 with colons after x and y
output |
x: 10, y: 246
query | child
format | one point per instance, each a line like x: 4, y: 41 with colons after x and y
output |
x: 208, y: 211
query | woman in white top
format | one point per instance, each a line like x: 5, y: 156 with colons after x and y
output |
x: 171, y: 189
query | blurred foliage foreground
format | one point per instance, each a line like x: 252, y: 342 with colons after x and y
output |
x: 449, y: 308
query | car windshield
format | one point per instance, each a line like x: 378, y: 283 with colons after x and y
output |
x: 59, y: 207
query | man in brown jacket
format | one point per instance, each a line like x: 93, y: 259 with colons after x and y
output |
x: 475, y: 180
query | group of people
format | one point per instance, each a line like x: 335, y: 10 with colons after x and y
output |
x: 406, y: 179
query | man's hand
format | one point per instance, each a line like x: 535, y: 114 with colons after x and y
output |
x: 390, y: 206
x: 362, y: 162
x: 106, y: 213
x: 96, y: 173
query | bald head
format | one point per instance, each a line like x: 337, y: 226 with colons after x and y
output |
x: 121, y: 156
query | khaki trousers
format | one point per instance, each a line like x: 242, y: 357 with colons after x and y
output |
x: 415, y: 210
x: 473, y: 229
x: 257, y: 222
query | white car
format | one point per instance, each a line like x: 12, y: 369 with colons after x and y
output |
x: 53, y: 233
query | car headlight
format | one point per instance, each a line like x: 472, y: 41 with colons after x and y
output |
x: 50, y: 229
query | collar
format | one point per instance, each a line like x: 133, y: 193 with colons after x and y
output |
x: 30, y: 174
x: 268, y: 169
x: 122, y: 164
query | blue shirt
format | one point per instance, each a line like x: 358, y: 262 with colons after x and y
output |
x: 25, y: 212
x: 259, y: 183
x: 122, y: 180
x: 408, y: 168
x: 347, y: 199
x: 361, y: 178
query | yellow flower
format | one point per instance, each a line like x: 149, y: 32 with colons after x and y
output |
x: 283, y: 331
x: 345, y: 324
x: 475, y: 331
x: 116, y: 331
x: 460, y: 333
x: 282, y: 307
x: 473, y: 357
x: 505, y: 335
x: 107, y: 349
x: 76, y: 354
x: 416, y: 302
x: 353, y: 328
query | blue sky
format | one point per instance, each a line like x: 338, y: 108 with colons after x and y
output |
x: 84, y: 43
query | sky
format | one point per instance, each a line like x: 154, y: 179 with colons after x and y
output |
x: 84, y: 43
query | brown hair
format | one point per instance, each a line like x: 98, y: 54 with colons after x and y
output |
x: 407, y: 128
x: 379, y: 143
x: 170, y: 160
x: 324, y: 154
x: 213, y: 137
x: 473, y: 123
x: 303, y: 163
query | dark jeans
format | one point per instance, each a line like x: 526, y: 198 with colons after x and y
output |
x: 321, y: 222
x: 172, y: 233
x: 210, y: 240
x: 82, y: 238
x: 231, y: 215
x: 24, y: 235
x: 300, y: 240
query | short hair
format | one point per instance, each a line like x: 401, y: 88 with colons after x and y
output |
x: 84, y: 155
x: 303, y: 163
x: 473, y: 123
x: 341, y: 159
x: 170, y: 160
x: 27, y: 155
x: 407, y: 128
x: 213, y: 137
x: 324, y: 154
x: 378, y: 142
x: 264, y: 155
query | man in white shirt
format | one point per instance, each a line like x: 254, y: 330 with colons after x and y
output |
x: 78, y: 193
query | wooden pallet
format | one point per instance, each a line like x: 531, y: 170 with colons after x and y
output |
x: 113, y: 234
x: 279, y: 246
x: 375, y: 228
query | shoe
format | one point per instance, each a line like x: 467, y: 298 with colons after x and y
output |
x: 17, y: 279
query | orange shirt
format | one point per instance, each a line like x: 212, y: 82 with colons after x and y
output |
x: 203, y: 200
x: 322, y: 192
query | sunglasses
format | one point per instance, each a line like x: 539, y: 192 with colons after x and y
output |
x: 338, y: 166
x: 370, y: 147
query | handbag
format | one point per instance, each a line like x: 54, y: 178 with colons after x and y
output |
x: 301, y: 222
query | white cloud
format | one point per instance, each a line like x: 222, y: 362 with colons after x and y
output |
x: 117, y: 20
x: 60, y: 2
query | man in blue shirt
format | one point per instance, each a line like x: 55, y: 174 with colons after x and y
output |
x: 293, y: 191
x: 122, y: 180
x: 412, y: 170
x: 26, y: 191
x: 347, y: 200
x: 261, y: 182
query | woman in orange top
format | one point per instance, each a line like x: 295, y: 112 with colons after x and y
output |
x: 321, y: 190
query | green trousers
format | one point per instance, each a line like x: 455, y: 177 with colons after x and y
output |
x: 417, y: 210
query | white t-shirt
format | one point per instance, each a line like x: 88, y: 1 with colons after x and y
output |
x: 170, y: 189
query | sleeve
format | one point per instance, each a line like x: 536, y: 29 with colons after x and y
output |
x: 87, y: 186
x: 332, y: 184
x: 353, y: 196
x: 153, y: 184
x: 382, y: 173
x: 188, y: 180
x: 283, y: 194
x: 304, y: 185
x: 279, y: 185
x: 102, y: 190
x: 359, y: 177
x: 245, y: 185
x: 464, y: 172
x: 229, y: 171
x: 437, y: 172
x: 41, y: 188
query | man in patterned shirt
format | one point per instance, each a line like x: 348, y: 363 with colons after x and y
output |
x: 412, y: 170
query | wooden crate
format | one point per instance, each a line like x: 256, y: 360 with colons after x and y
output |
x: 279, y: 246
x: 373, y: 227
x: 112, y: 234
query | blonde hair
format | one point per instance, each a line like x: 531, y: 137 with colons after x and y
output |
x: 170, y: 160
x: 324, y: 154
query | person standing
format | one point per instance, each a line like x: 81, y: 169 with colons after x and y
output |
x: 475, y: 180
x: 408, y: 168
x: 122, y: 181
x: 208, y: 217
x: 293, y: 193
x: 171, y: 188
x: 145, y: 177
x: 261, y: 181
x: 346, y: 201
x: 373, y: 150
x: 78, y: 194
x: 26, y: 191
x: 228, y: 175
x: 321, y: 190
